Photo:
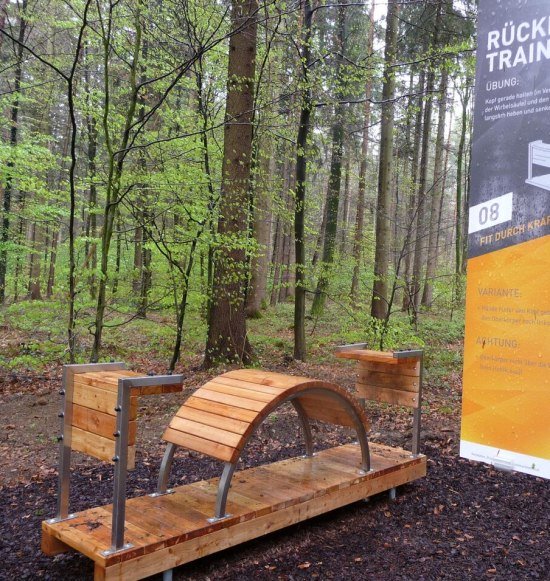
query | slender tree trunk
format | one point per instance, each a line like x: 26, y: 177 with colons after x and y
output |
x: 412, y: 209
x: 14, y: 128
x: 437, y: 191
x: 227, y: 338
x: 301, y: 177
x: 380, y: 296
x: 257, y: 289
x: 357, y: 251
x: 335, y: 176
x: 460, y: 180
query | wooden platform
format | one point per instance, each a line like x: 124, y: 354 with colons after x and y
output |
x: 170, y: 530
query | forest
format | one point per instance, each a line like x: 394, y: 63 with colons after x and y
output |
x: 196, y: 165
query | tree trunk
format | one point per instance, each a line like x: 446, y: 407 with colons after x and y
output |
x: 412, y: 209
x: 301, y: 176
x: 257, y: 288
x: 335, y: 176
x: 437, y: 191
x: 357, y: 250
x: 379, y: 305
x: 14, y: 128
x: 227, y: 339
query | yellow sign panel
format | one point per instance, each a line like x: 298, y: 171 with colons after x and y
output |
x: 506, y: 397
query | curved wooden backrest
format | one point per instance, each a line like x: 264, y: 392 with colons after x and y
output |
x: 219, y: 417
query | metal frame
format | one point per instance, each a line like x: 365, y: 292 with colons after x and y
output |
x: 229, y: 467
x: 417, y: 412
x: 120, y: 459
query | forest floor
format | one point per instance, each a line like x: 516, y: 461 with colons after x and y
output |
x: 463, y: 520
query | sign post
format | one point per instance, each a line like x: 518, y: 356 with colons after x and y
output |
x: 506, y: 396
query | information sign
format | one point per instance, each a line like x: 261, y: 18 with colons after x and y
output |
x: 506, y: 396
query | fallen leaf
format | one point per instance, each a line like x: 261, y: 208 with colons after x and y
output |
x: 305, y: 565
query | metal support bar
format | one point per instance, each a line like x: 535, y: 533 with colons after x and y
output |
x: 417, y: 412
x: 167, y: 575
x: 392, y: 493
x: 306, y: 428
x: 164, y: 472
x: 65, y: 438
x: 223, y: 490
x: 121, y: 464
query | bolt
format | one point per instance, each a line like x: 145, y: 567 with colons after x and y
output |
x: 60, y: 415
x: 118, y: 408
x: 116, y: 458
x: 59, y: 438
x: 61, y: 392
x: 116, y: 434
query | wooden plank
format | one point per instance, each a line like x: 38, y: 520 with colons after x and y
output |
x: 326, y: 409
x: 221, y: 409
x: 176, y: 555
x: 386, y: 395
x: 51, y: 546
x: 214, y: 449
x: 206, y: 432
x: 108, y: 380
x: 256, y: 395
x: 367, y: 355
x: 403, y: 367
x: 104, y: 379
x: 210, y: 419
x: 262, y: 387
x: 393, y: 381
x: 268, y: 377
x: 99, y: 423
x: 231, y: 400
x: 100, y: 399
x: 98, y: 447
x: 237, y: 499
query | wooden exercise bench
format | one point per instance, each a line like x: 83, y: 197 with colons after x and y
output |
x: 173, y: 526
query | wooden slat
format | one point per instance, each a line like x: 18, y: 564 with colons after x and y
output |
x: 209, y: 419
x: 99, y: 423
x: 403, y: 367
x: 325, y: 409
x: 267, y: 377
x: 262, y: 387
x: 108, y: 380
x: 98, y: 446
x: 100, y: 399
x: 206, y: 432
x: 232, y: 400
x: 221, y: 409
x: 367, y: 355
x: 104, y: 379
x: 256, y: 395
x: 391, y: 380
x: 214, y: 449
x: 386, y: 395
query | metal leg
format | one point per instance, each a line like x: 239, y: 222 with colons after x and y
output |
x: 65, y: 446
x: 164, y: 472
x: 306, y: 428
x: 392, y: 493
x: 121, y: 465
x: 223, y: 490
x: 167, y: 575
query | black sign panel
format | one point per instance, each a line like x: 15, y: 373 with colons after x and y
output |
x: 510, y: 176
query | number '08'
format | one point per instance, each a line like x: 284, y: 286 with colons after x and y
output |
x: 488, y: 213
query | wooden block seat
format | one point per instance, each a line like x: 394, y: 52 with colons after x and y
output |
x: 221, y: 416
